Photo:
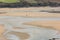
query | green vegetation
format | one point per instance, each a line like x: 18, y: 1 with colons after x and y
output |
x: 27, y: 3
x: 9, y: 1
x: 14, y: 1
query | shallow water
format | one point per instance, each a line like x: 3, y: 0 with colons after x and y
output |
x: 35, y: 33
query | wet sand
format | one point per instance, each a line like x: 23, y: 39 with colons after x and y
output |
x: 2, y: 30
x: 30, y: 12
x: 32, y: 17
x: 52, y: 24
x: 21, y: 35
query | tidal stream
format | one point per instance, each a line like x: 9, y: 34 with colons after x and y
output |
x: 34, y: 33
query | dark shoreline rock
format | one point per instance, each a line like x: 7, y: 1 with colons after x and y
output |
x: 26, y: 4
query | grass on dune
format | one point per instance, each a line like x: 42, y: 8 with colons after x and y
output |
x: 9, y: 1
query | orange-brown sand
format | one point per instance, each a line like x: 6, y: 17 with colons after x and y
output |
x: 55, y: 24
x: 2, y: 30
x: 21, y: 35
x: 30, y: 14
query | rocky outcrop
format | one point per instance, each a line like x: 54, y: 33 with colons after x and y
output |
x: 35, y: 3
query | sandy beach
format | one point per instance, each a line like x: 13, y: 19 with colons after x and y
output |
x: 52, y: 24
x: 30, y: 12
x: 29, y: 23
